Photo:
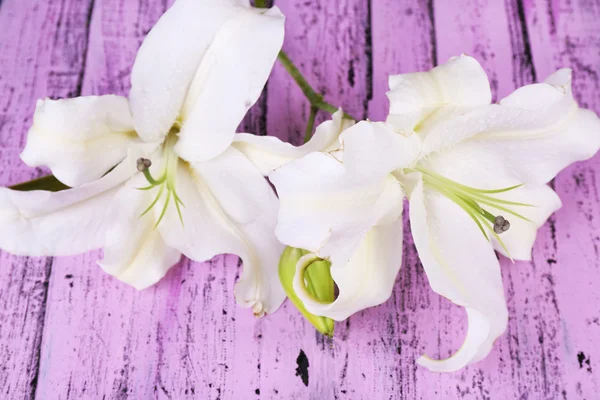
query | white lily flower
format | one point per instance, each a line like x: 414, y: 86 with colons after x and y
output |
x: 478, y: 166
x: 481, y: 165
x: 343, y: 206
x: 197, y: 73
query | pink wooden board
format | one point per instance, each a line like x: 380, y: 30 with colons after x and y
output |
x: 68, y: 331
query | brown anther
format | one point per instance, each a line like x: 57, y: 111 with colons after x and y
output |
x: 501, y: 225
x: 143, y: 164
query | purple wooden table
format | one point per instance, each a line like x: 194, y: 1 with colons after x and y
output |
x: 68, y: 331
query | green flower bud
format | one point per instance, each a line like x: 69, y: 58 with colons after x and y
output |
x: 318, y: 283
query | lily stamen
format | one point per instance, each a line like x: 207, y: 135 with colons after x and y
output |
x: 143, y: 165
x: 473, y: 200
x: 166, y: 180
x: 501, y: 225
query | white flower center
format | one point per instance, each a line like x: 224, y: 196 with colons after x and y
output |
x: 166, y: 179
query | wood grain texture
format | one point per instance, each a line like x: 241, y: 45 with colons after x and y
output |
x: 69, y: 331
x: 329, y: 41
x: 42, y: 51
x: 568, y: 34
x: 405, y: 326
x: 525, y: 361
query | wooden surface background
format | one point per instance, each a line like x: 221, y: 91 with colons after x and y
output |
x: 68, y: 331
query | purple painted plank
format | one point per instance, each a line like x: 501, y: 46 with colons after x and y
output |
x: 186, y: 338
x: 183, y: 338
x: 330, y: 44
x: 403, y: 41
x: 401, y: 329
x: 328, y: 41
x: 535, y: 358
x: 42, y: 50
x: 101, y: 337
x: 568, y: 34
x: 424, y: 322
x: 524, y: 360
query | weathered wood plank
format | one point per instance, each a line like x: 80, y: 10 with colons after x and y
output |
x: 102, y: 338
x: 42, y: 51
x: 567, y: 34
x: 392, y: 336
x: 177, y: 340
x: 525, y: 360
x: 532, y: 360
x: 425, y: 322
x: 330, y: 43
x: 185, y: 337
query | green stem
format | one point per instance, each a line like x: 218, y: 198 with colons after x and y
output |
x: 295, y: 73
x: 315, y: 99
x: 311, y: 124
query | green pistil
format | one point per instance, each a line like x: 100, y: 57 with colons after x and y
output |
x: 471, y: 200
x: 166, y: 180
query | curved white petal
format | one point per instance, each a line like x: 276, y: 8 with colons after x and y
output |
x: 365, y: 281
x: 328, y: 211
x: 41, y: 223
x: 168, y: 60
x: 79, y: 139
x: 461, y: 82
x: 536, y: 131
x: 135, y: 252
x: 468, y: 165
x: 519, y: 239
x: 229, y: 207
x: 461, y: 266
x: 228, y: 82
x: 268, y: 152
x: 334, y: 208
x: 373, y: 150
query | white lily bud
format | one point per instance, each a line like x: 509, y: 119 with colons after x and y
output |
x: 318, y: 283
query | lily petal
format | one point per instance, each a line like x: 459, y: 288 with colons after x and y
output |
x: 327, y: 211
x: 40, y: 223
x: 536, y: 131
x: 135, y: 252
x: 365, y: 281
x: 229, y: 207
x: 268, y: 152
x: 460, y: 82
x: 373, y: 149
x: 228, y: 82
x: 468, y: 165
x: 519, y: 239
x: 168, y: 60
x: 461, y: 266
x: 79, y: 139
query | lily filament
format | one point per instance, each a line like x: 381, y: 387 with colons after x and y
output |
x: 473, y: 201
x: 166, y: 179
